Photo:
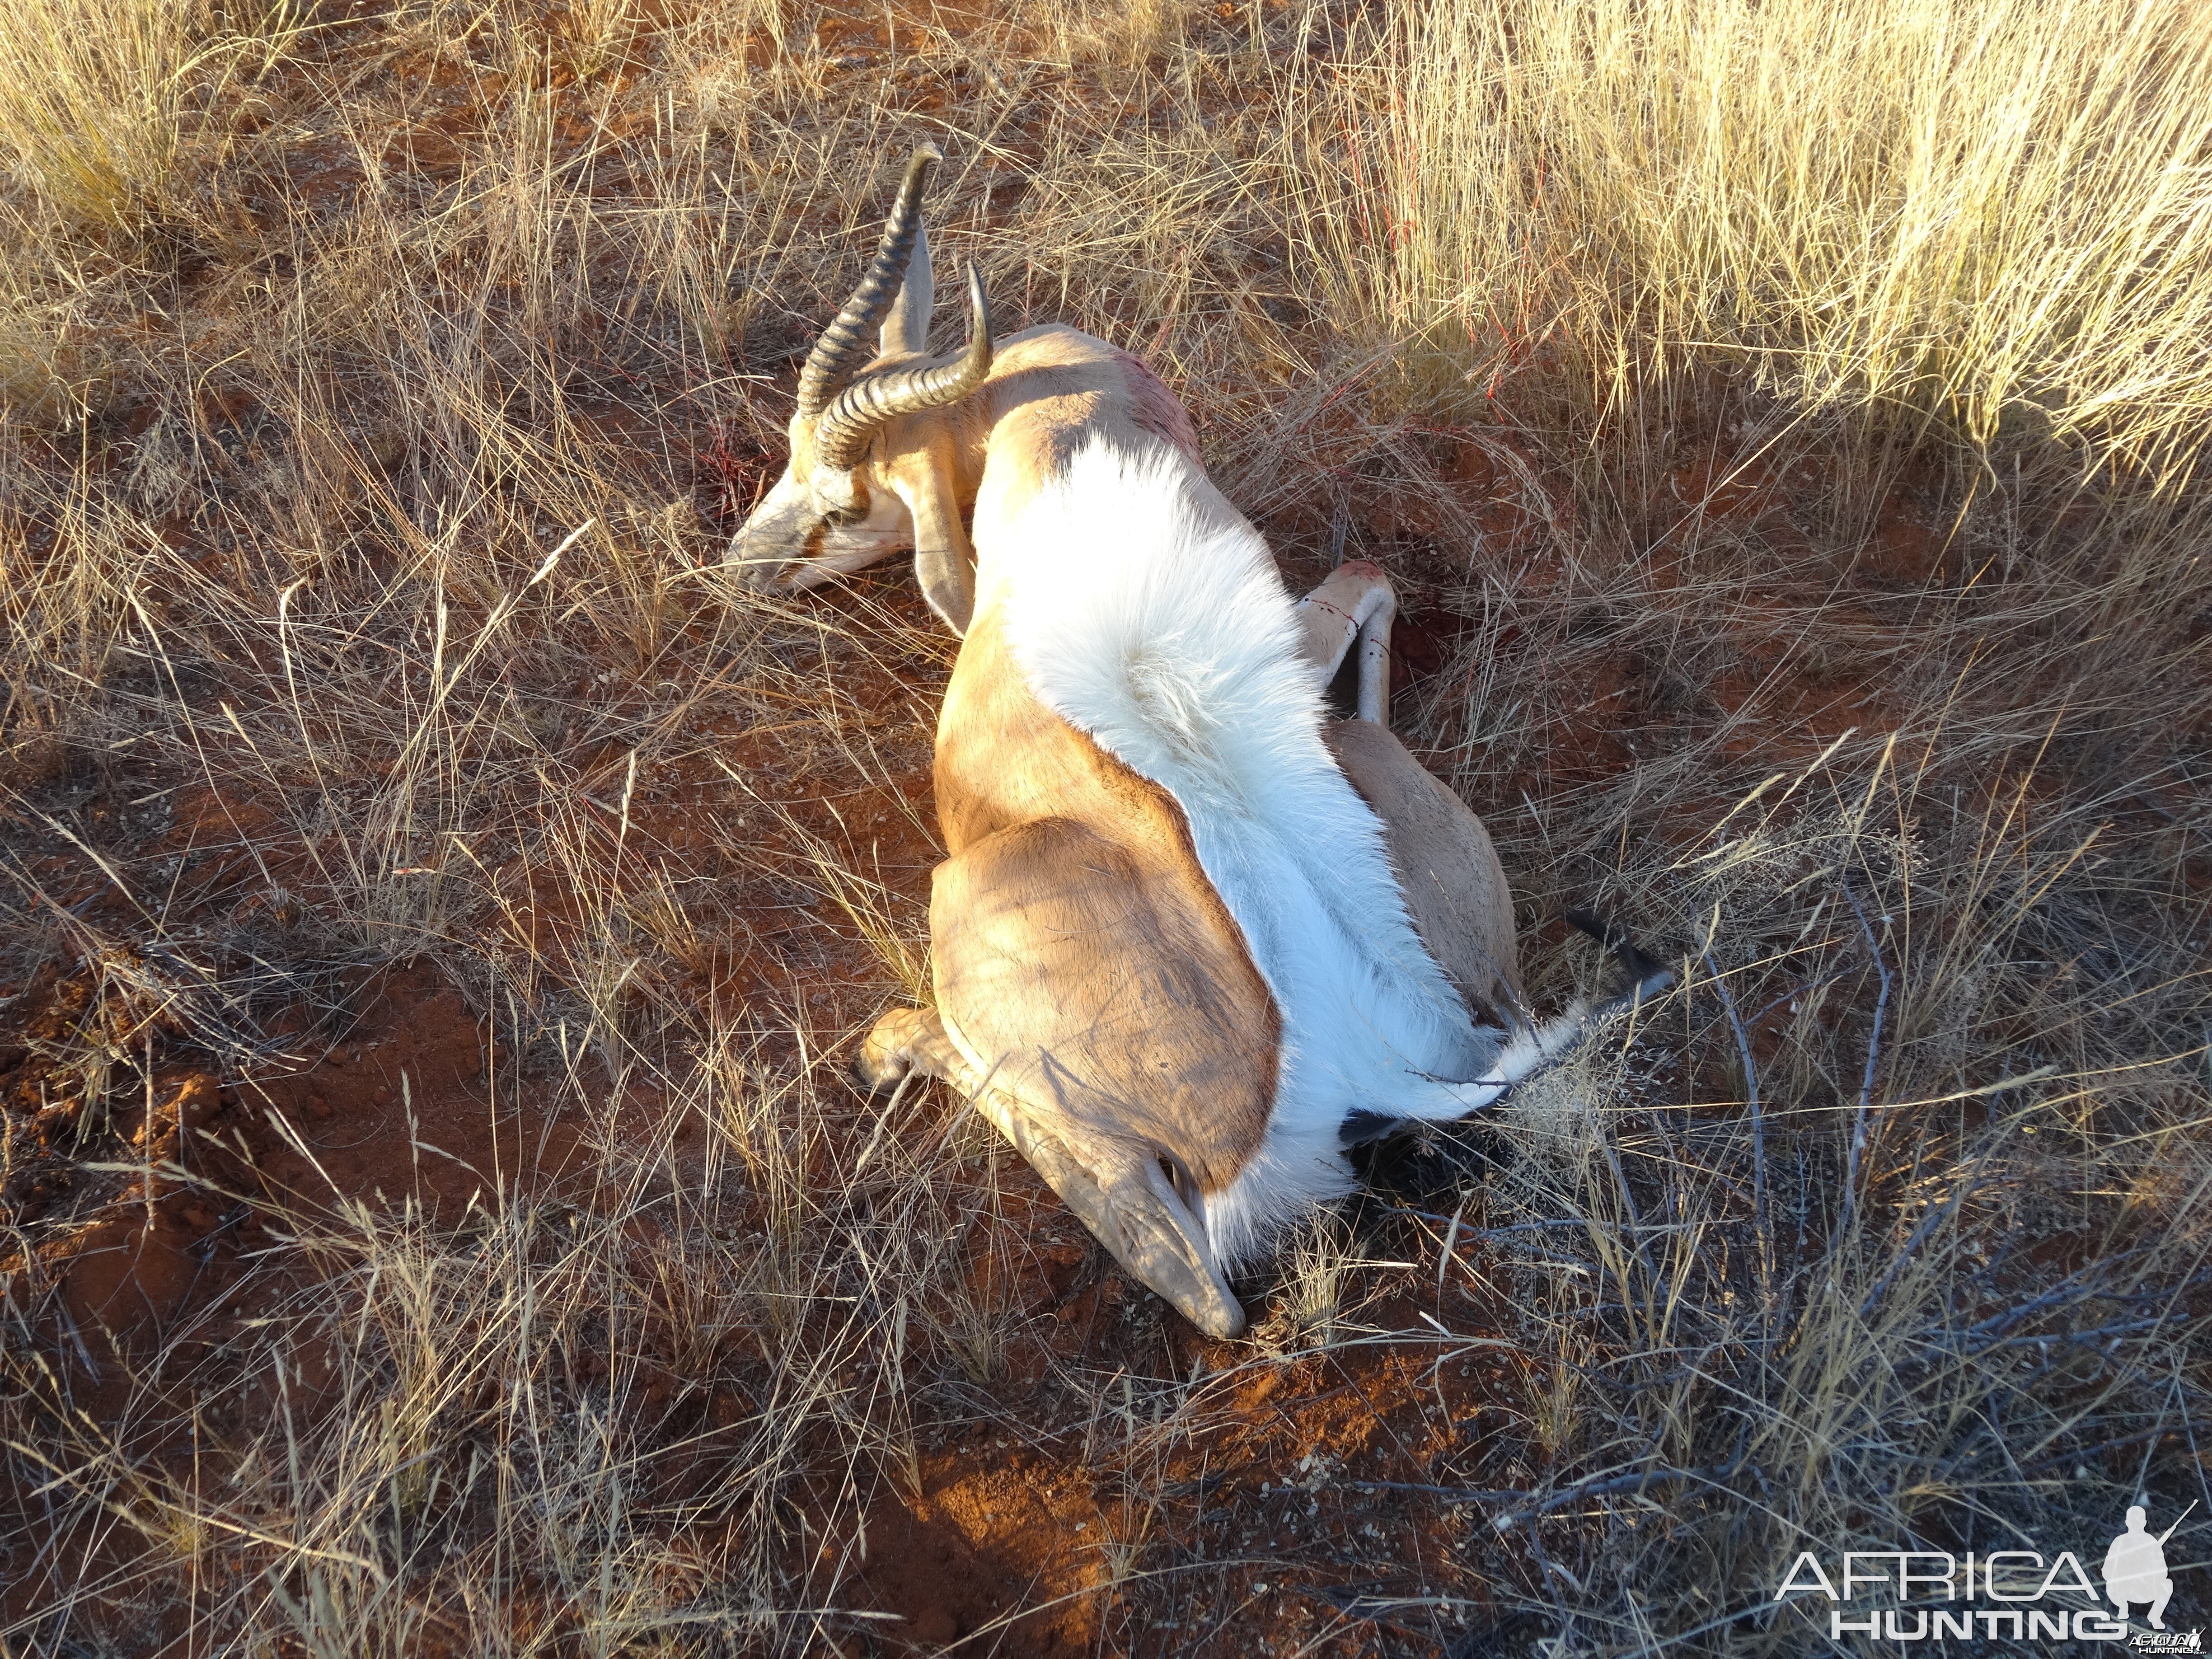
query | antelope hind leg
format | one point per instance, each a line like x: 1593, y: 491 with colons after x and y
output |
x: 1448, y: 871
x: 1354, y: 607
x: 1130, y: 1203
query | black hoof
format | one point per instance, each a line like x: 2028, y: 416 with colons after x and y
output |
x: 1362, y: 1128
x: 1640, y: 968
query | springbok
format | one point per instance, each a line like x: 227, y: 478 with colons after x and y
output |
x: 1194, y: 937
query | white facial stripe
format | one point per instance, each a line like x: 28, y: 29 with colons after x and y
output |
x: 791, y: 543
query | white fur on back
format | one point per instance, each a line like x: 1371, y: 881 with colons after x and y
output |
x: 1168, y: 637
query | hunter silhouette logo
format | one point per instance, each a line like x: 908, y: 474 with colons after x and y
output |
x: 2135, y: 1567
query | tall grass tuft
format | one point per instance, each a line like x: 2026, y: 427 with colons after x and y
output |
x: 1998, y: 214
x: 92, y: 103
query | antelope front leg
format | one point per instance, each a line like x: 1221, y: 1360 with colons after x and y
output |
x: 1355, y: 605
x: 903, y: 1041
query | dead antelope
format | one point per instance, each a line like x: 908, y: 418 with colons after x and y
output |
x: 1194, y: 936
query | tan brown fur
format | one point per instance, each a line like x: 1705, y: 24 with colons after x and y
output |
x: 1447, y: 869
x: 1073, y: 921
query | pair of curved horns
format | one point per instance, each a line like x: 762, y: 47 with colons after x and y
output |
x: 846, y: 406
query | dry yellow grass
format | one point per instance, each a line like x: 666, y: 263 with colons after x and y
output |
x: 1991, y: 215
x: 1783, y: 419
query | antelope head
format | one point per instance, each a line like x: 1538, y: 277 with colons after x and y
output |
x: 865, y: 480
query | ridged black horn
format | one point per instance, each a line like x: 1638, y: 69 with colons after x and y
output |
x: 848, y: 343
x: 842, y: 435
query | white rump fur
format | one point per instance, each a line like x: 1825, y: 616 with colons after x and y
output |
x: 1163, y: 629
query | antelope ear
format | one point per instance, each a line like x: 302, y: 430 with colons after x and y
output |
x: 946, y: 571
x: 906, y: 326
x: 944, y: 557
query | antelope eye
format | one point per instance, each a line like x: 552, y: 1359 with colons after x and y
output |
x: 841, y: 501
